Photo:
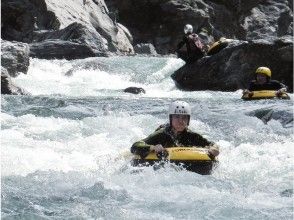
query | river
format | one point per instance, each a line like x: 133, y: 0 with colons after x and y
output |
x: 63, y: 149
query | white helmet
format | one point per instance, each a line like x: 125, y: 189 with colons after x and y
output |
x: 188, y: 29
x: 179, y: 108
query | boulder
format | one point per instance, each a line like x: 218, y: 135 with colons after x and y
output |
x: 234, y: 67
x: 58, y: 49
x: 134, y: 90
x: 15, y: 57
x: 7, y: 87
x: 73, y: 42
x: 93, y: 14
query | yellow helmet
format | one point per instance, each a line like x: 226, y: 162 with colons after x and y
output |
x: 264, y: 70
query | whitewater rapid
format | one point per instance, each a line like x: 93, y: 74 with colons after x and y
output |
x: 64, y: 149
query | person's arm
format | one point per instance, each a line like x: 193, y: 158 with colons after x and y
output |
x: 279, y: 87
x: 283, y: 88
x: 281, y: 91
x: 151, y: 143
x: 250, y: 89
x: 213, y: 149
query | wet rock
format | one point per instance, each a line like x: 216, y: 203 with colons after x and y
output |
x: 21, y: 17
x: 234, y: 66
x: 7, y: 87
x: 15, y: 57
x: 73, y: 42
x: 134, y: 90
x: 287, y: 193
x: 266, y: 115
x: 58, y: 49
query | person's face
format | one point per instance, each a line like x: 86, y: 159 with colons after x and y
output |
x: 261, y: 79
x: 179, y: 122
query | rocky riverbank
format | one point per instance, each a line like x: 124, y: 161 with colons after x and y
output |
x: 76, y: 29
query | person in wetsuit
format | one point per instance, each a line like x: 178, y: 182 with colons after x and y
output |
x: 263, y: 82
x: 174, y: 134
x: 195, y: 48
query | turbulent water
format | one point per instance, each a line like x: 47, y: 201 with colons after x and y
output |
x: 64, y: 149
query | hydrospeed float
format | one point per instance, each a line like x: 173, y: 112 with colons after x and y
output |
x: 218, y: 46
x: 193, y: 159
x: 264, y: 94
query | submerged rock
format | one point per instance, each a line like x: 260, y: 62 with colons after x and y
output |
x: 266, y: 115
x: 287, y: 193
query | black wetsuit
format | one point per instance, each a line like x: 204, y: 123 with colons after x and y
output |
x: 166, y: 138
x: 270, y: 85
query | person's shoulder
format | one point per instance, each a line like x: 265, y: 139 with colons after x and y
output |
x: 162, y: 129
x: 158, y: 131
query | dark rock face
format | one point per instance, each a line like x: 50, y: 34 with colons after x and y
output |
x: 145, y: 49
x: 15, y: 57
x: 274, y: 20
x: 58, y: 49
x: 7, y: 87
x: 161, y: 22
x: 134, y: 90
x: 21, y: 18
x: 234, y: 67
x: 73, y: 42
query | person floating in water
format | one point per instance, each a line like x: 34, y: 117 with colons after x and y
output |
x: 263, y: 82
x: 174, y: 134
x: 195, y: 49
